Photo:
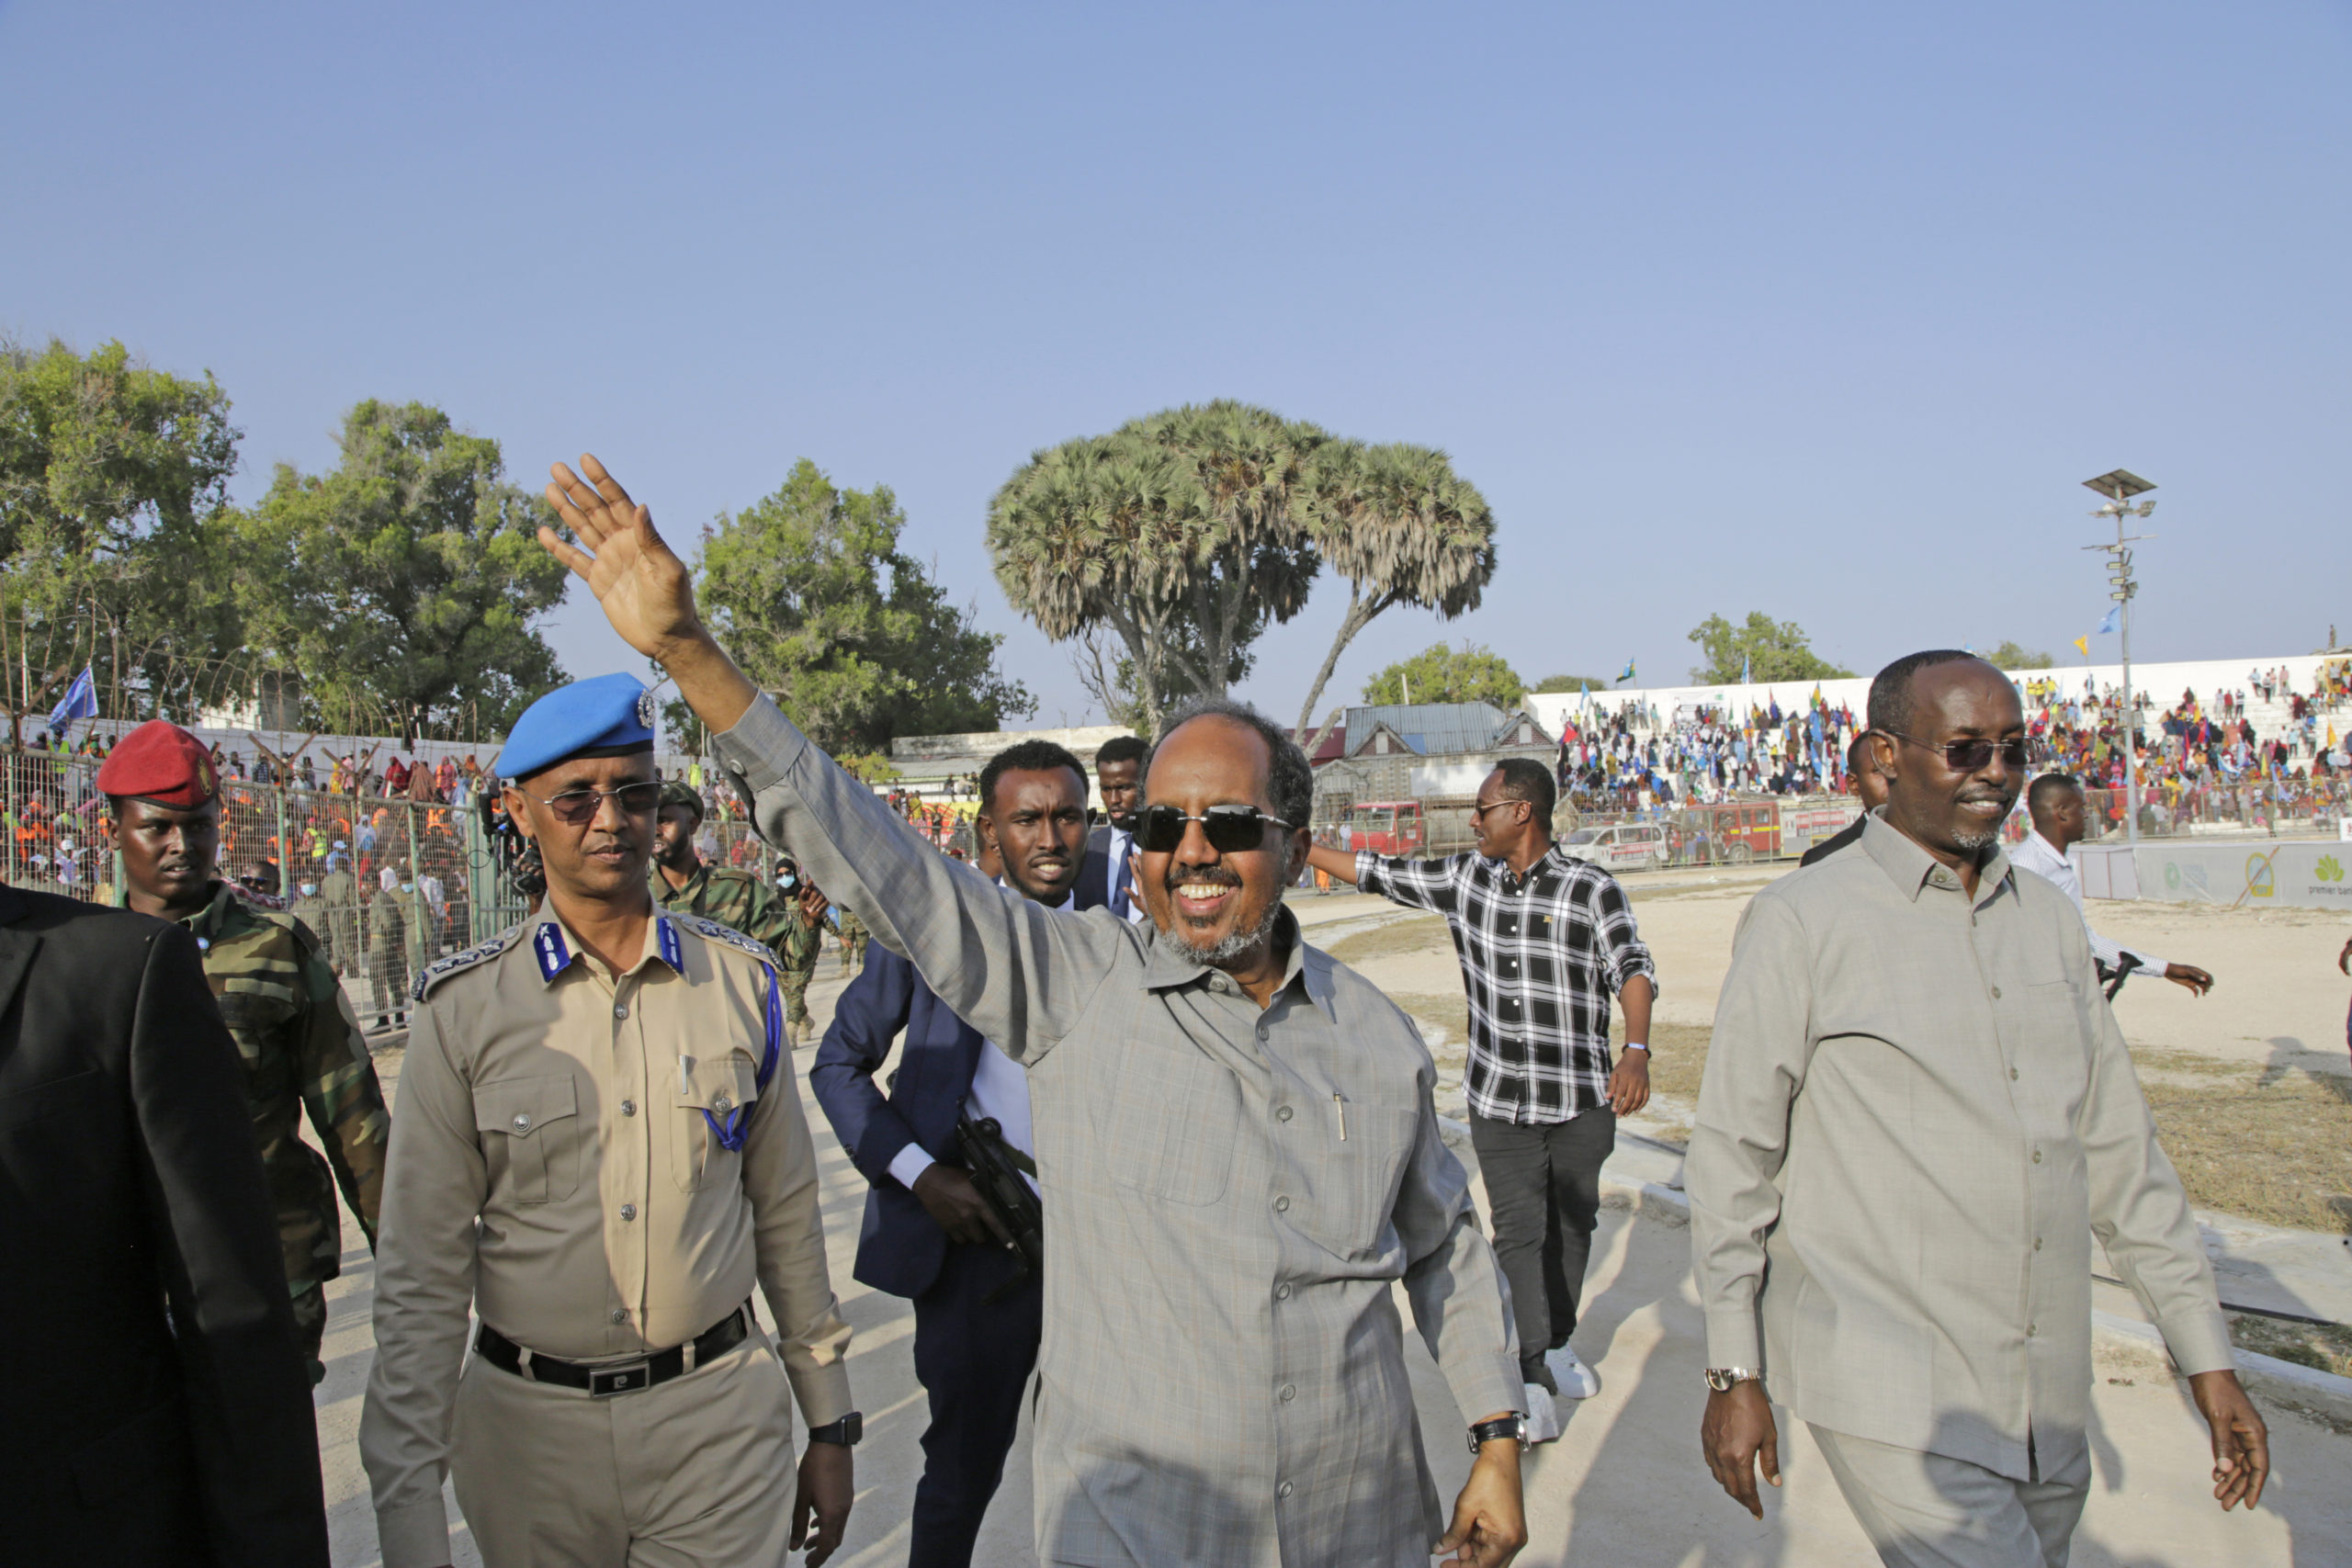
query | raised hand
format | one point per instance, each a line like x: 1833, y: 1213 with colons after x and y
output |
x: 639, y: 579
x: 644, y: 589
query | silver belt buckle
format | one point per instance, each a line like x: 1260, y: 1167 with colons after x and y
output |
x: 630, y: 1377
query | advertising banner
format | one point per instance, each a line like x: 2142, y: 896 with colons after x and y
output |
x: 2305, y: 875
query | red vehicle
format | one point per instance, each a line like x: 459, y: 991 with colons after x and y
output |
x: 1386, y: 828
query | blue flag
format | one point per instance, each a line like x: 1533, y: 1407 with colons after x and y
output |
x: 81, y: 701
x: 1628, y: 674
x: 2113, y: 617
x: 1746, y: 663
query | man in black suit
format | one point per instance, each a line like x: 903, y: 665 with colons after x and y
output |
x: 155, y: 1411
x: 1110, y: 848
x: 928, y: 1234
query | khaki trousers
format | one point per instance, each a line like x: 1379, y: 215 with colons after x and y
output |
x: 1924, y: 1510
x: 696, y: 1473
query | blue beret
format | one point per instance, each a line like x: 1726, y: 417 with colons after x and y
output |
x: 606, y: 716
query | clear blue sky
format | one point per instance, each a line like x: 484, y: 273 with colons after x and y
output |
x: 1824, y: 311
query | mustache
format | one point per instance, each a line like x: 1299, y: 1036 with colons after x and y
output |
x: 1215, y: 875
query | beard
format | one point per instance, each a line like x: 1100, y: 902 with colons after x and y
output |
x: 1233, y: 946
x: 1975, y: 840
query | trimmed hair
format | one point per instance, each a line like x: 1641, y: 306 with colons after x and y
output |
x: 1526, y: 779
x: 1121, y: 749
x: 2039, y: 795
x: 1028, y: 757
x: 1290, y: 780
x: 1890, y: 700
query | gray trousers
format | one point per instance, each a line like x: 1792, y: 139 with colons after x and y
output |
x: 1924, y: 1510
x: 1544, y: 1187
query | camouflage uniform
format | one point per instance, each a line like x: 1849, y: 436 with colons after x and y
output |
x: 747, y: 903
x: 853, y: 931
x: 302, y: 1051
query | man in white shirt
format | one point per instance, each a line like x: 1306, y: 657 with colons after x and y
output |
x: 928, y: 1235
x: 2055, y: 804
x: 1110, y: 848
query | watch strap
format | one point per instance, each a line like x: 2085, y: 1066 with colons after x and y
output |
x: 1513, y: 1426
x: 845, y: 1431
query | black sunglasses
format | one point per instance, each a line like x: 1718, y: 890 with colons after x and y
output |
x: 1231, y: 829
x: 1967, y: 756
x: 578, y: 806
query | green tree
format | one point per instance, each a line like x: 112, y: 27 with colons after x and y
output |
x: 402, y: 587
x: 1440, y: 675
x: 2009, y: 655
x: 113, y: 489
x: 1187, y: 533
x: 1571, y: 684
x: 810, y: 592
x: 1766, y: 648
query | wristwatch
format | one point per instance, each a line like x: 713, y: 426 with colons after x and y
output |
x: 845, y: 1431
x: 1722, y: 1379
x: 1513, y: 1425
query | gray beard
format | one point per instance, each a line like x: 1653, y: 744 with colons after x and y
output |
x: 1236, y: 945
x: 1973, y: 843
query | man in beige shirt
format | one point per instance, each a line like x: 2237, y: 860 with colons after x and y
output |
x: 1917, y: 1112
x: 594, y: 1146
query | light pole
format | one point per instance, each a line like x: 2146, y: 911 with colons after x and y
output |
x: 2120, y: 486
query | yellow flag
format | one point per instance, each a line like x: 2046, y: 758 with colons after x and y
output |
x: 2083, y: 644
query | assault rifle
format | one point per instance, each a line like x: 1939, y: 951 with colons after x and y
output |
x: 996, y: 1168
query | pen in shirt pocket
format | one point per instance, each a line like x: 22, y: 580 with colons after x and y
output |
x: 1340, y: 1105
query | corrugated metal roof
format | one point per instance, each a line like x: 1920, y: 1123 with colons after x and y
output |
x: 1434, y: 729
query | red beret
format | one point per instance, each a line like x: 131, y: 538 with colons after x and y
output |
x: 161, y: 762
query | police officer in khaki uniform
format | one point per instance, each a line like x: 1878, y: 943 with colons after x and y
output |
x: 599, y: 1147
x: 298, y: 1038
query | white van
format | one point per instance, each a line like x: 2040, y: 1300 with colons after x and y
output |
x: 1628, y: 846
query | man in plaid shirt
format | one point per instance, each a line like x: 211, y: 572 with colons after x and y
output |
x: 1543, y: 941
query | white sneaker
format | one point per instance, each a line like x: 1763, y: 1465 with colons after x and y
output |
x: 1577, y: 1380
x: 1542, y: 1421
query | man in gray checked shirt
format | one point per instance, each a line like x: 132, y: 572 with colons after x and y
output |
x: 1916, y: 1113
x: 1234, y: 1133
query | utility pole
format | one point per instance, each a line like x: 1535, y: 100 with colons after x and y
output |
x: 2120, y: 486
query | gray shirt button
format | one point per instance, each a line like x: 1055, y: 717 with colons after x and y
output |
x: 1283, y: 1490
x: 629, y: 1210
x: 620, y: 1314
x: 522, y: 1123
x: 2037, y: 1157
x: 1996, y: 993
x: 1281, y: 1113
x: 628, y: 1107
x: 1290, y: 1392
x: 1282, y: 1292
x: 620, y: 1010
x: 1281, y: 1205
x: 720, y: 1102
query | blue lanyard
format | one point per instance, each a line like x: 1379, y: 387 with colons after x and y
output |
x: 730, y: 1132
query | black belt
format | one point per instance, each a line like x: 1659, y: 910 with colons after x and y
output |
x: 608, y: 1378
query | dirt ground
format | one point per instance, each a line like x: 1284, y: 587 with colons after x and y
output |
x: 2251, y: 1084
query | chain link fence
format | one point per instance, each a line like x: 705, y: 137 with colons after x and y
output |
x: 327, y: 855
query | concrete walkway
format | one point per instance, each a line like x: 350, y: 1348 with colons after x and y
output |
x: 1624, y: 1488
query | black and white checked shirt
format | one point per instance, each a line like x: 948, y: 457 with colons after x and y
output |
x: 1541, y: 956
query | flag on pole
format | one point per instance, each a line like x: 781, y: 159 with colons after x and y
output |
x: 1747, y: 662
x: 1628, y: 674
x: 2114, y: 617
x: 81, y: 701
x: 2084, y: 645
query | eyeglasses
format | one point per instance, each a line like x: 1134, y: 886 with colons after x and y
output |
x: 1967, y: 756
x: 1479, y: 811
x: 1231, y: 829
x: 580, y: 806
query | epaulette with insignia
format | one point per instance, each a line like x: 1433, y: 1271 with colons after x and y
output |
x: 711, y: 930
x: 441, y: 969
